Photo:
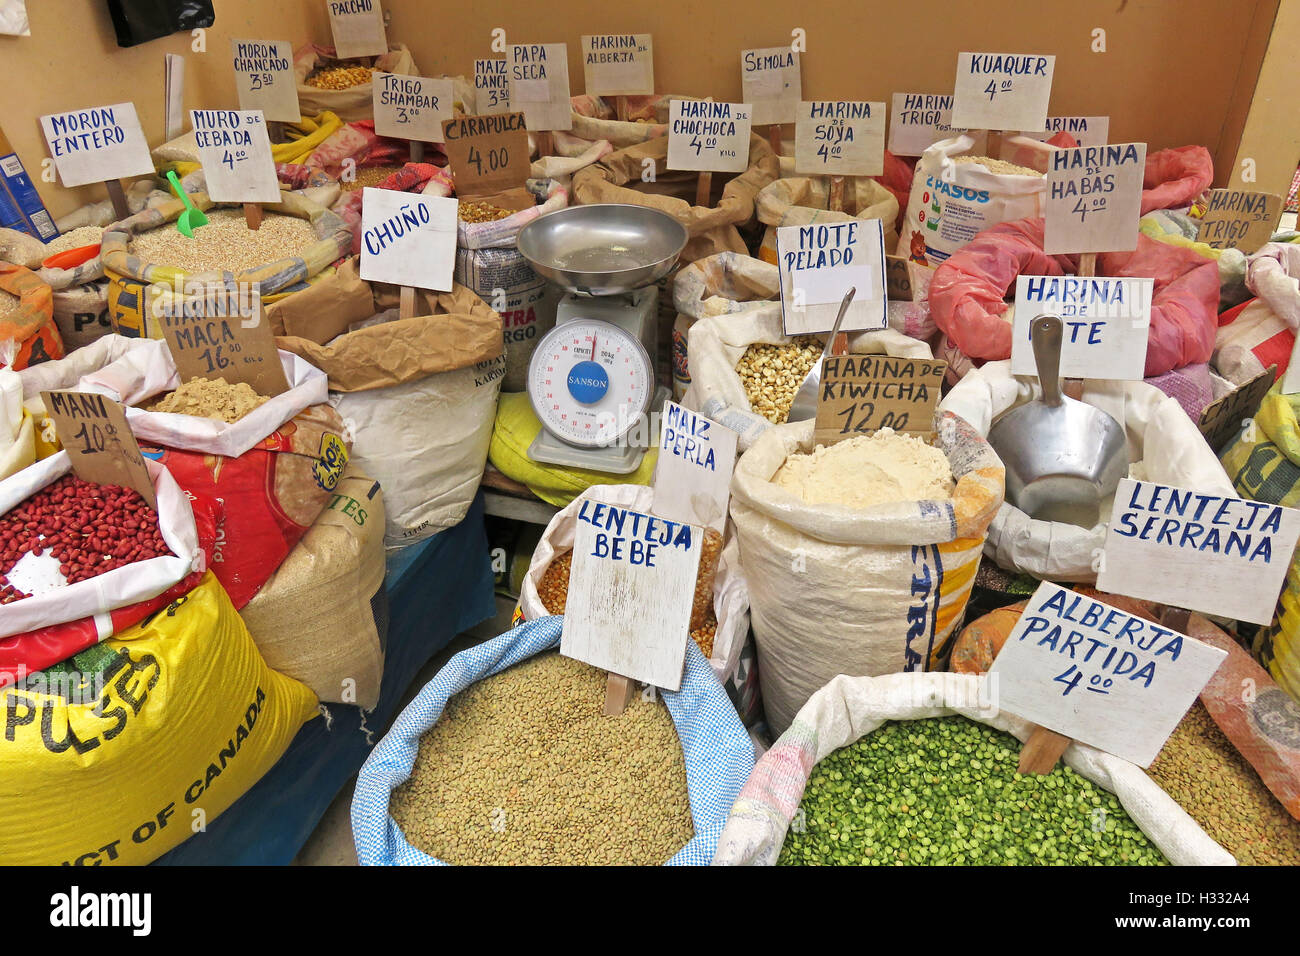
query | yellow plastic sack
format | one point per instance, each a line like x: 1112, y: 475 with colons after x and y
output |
x: 175, y: 719
x: 514, y: 430
x: 302, y: 139
x: 1264, y: 465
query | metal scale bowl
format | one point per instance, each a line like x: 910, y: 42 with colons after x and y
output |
x: 592, y: 377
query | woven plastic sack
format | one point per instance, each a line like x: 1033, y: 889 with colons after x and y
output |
x: 355, y: 102
x: 730, y: 595
x: 967, y: 293
x: 717, y: 343
x: 28, y: 334
x: 618, y: 179
x: 718, y: 753
x: 1251, y: 337
x: 836, y: 590
x: 17, y: 426
x: 951, y: 203
x: 1178, y: 229
x: 189, y: 717
x: 849, y: 708
x: 805, y: 201
x: 1265, y: 327
x: 1175, y: 177
x: 1164, y: 445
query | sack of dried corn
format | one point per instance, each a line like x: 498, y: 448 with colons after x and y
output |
x: 344, y: 87
x: 417, y: 395
x: 869, y: 590
x: 28, y: 334
x: 745, y: 370
x: 146, y: 258
x: 805, y: 201
x: 956, y: 196
x: 644, y: 787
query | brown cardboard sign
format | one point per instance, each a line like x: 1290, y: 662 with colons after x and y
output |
x: 1222, y: 420
x: 1238, y: 219
x: 220, y: 332
x: 99, y: 443
x: 898, y: 280
x: 487, y: 154
x: 861, y: 394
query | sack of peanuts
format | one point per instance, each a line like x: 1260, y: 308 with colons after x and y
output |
x: 805, y: 201
x: 28, y: 335
x: 1164, y: 445
x: 133, y: 552
x: 344, y: 87
x: 956, y: 196
x: 720, y: 624
x: 113, y: 756
x: 144, y: 377
x: 870, y: 581
x: 850, y: 709
x: 321, y: 618
x: 649, y: 786
x: 745, y: 370
x: 417, y: 395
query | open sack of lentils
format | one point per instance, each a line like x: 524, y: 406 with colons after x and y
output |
x: 506, y: 757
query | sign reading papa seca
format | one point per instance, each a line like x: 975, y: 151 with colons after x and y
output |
x: 1098, y: 674
x: 1208, y: 552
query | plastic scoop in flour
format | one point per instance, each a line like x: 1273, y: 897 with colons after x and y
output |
x: 804, y: 405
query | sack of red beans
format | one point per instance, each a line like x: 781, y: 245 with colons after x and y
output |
x: 70, y: 549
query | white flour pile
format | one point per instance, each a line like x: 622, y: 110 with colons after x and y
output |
x: 868, y: 470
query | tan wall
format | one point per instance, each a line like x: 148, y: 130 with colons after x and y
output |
x: 1176, y: 71
x: 1270, y: 134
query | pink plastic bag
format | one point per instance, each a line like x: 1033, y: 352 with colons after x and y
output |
x: 1175, y: 177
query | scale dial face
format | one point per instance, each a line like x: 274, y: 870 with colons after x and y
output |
x: 589, y: 381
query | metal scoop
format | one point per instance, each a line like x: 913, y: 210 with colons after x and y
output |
x: 1063, y: 457
x: 192, y: 217
x: 804, y: 405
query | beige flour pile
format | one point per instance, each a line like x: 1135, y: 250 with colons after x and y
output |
x: 999, y: 166
x: 211, y: 398
x: 868, y: 470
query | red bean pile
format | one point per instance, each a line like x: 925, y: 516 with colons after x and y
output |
x: 90, y: 528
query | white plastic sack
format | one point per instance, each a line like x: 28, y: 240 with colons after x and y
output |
x: 1273, y: 274
x: 866, y: 591
x: 134, y: 582
x: 952, y: 202
x: 1163, y: 444
x: 17, y: 428
x: 148, y: 371
x: 717, y: 343
x: 849, y: 708
x: 730, y: 594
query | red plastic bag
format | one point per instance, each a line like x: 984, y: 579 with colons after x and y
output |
x: 897, y: 178
x: 967, y: 294
x: 411, y: 178
x: 1175, y: 177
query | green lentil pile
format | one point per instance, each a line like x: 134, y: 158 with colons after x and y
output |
x: 524, y: 768
x: 1201, y: 769
x: 945, y: 791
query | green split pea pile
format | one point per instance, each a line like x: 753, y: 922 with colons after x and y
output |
x: 946, y: 791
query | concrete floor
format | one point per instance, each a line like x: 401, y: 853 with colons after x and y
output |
x: 331, y: 843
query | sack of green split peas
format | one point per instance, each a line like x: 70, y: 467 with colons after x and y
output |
x: 921, y: 769
x: 505, y: 757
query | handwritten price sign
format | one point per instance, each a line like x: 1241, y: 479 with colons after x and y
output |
x: 708, y: 137
x: 1094, y: 198
x: 1002, y: 90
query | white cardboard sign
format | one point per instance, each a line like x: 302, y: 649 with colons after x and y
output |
x: 840, y: 138
x: 264, y: 78
x: 1104, y: 324
x: 492, y: 86
x: 1094, y: 198
x: 539, y: 84
x: 630, y: 592
x: 1002, y: 90
x: 618, y: 64
x: 358, y: 28
x: 819, y: 263
x: 919, y: 120
x: 769, y: 81
x: 235, y: 153
x: 1100, y: 675
x: 708, y: 137
x: 411, y: 107
x: 693, y: 475
x: 1205, y: 552
x: 97, y: 144
x: 408, y: 239
x: 1086, y: 130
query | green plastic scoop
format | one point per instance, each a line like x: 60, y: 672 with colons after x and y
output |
x: 192, y: 218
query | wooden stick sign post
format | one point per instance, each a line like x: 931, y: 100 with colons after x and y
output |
x: 412, y: 108
x: 539, y: 86
x: 770, y: 80
x: 94, y: 432
x: 839, y: 138
x: 235, y: 152
x: 708, y: 138
x: 408, y: 240
x: 102, y: 144
x: 1083, y: 670
x: 631, y: 587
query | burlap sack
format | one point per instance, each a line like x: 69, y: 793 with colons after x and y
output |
x: 354, y: 103
x: 805, y: 200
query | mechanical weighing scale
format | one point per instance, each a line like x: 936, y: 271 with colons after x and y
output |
x: 591, y: 379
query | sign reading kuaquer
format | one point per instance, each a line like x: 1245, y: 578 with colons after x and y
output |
x: 1002, y: 90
